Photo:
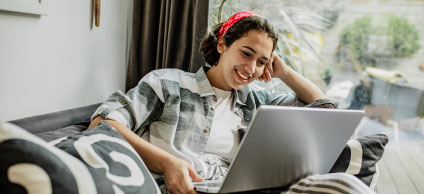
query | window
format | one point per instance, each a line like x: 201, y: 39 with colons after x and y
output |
x: 364, y: 54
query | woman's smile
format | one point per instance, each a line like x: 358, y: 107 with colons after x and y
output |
x: 241, y: 76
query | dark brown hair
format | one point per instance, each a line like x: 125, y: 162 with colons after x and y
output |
x: 239, y: 29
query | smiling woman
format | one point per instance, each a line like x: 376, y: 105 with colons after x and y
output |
x: 189, y: 123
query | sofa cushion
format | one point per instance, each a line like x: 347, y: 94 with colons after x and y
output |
x: 94, y: 161
x: 360, y: 156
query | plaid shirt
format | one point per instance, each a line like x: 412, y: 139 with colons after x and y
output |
x: 172, y: 109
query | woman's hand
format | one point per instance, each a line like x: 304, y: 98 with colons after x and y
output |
x: 274, y: 68
x: 302, y: 87
x: 178, y: 175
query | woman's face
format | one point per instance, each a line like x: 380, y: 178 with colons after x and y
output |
x: 244, y: 61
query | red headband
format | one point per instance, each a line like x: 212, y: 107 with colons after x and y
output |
x: 233, y: 19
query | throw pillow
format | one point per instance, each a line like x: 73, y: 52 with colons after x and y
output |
x: 359, y: 158
x: 100, y: 161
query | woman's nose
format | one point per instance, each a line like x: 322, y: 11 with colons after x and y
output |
x: 251, y: 67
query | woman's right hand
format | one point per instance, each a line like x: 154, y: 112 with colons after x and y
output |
x: 177, y: 172
x: 178, y: 175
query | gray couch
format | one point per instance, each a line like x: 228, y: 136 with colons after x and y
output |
x: 83, y: 161
x: 58, y: 124
x: 73, y: 121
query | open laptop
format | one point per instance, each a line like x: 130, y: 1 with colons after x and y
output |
x: 285, y: 144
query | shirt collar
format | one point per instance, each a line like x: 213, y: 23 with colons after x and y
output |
x: 205, y: 88
x: 240, y: 96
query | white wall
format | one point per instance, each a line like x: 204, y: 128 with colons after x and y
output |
x: 59, y: 61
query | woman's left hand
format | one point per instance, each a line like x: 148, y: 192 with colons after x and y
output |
x: 274, y: 68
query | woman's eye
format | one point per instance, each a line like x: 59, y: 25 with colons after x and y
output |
x: 262, y: 62
x: 246, y: 54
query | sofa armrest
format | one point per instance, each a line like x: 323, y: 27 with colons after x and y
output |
x: 56, y: 120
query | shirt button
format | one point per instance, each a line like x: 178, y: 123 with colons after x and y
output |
x: 212, y: 109
x: 207, y: 130
x: 214, y: 99
x: 124, y: 102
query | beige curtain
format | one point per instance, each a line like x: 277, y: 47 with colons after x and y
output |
x: 166, y: 34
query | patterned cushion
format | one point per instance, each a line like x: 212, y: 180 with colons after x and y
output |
x: 359, y: 158
x: 98, y: 161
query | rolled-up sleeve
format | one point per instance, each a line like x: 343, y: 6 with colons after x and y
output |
x: 267, y: 97
x: 138, y: 107
x: 290, y: 99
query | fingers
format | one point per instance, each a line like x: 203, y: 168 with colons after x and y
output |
x: 181, y: 185
x: 275, y: 67
x: 264, y: 76
x: 261, y: 78
x: 267, y: 75
x: 270, y: 65
x: 194, y: 176
x: 269, y: 69
x: 177, y: 178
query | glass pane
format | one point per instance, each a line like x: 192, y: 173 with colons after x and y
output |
x: 364, y: 54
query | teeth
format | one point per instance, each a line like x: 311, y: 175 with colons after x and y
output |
x: 241, y: 75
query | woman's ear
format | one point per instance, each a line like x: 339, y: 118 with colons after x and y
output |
x: 220, y: 46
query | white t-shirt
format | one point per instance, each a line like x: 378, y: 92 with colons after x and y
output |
x: 223, y: 138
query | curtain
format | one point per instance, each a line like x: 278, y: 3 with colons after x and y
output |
x: 166, y: 34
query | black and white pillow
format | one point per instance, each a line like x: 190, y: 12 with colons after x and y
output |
x: 360, y: 156
x: 98, y: 161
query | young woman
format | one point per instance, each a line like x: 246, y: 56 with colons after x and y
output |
x: 184, y: 125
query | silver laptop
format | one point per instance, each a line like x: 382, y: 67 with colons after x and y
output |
x: 285, y: 144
